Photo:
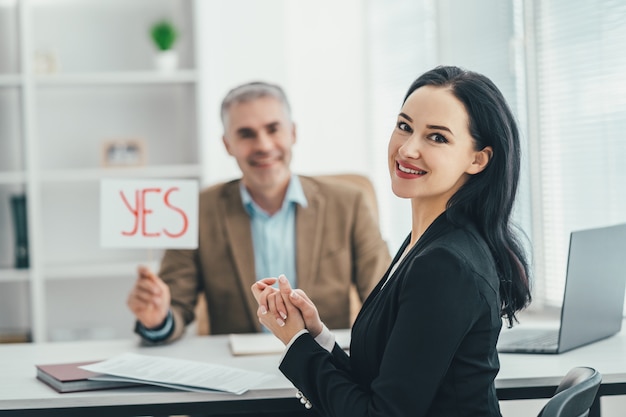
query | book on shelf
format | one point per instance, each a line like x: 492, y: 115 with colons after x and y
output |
x: 18, y: 209
x: 14, y: 335
x: 69, y: 377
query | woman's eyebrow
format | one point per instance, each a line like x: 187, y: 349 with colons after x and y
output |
x: 406, y: 116
x: 434, y: 127
x: 437, y: 127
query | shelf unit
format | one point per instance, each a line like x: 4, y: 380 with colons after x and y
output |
x: 99, y: 84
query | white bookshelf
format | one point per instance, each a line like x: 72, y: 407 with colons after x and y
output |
x: 95, y: 174
x: 18, y: 177
x: 103, y: 86
x: 10, y: 80
x: 122, y: 77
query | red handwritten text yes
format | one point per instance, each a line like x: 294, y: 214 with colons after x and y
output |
x: 141, y: 211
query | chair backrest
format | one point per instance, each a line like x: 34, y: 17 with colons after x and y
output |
x: 366, y: 186
x: 362, y: 182
x: 574, y: 395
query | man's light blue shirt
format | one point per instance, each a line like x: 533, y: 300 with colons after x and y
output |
x: 274, y: 237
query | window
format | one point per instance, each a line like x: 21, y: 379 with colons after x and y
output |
x: 579, y: 180
x: 561, y: 66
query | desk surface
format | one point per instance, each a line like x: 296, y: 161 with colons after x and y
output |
x: 20, y: 390
x: 21, y: 394
x: 524, y: 376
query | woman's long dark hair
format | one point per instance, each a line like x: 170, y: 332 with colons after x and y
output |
x: 488, y: 197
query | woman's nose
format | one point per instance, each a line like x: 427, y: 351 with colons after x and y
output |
x: 410, y: 148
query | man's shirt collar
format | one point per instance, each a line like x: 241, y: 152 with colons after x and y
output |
x: 294, y: 194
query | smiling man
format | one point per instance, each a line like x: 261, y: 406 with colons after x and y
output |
x: 322, y: 236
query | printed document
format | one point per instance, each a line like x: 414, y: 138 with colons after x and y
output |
x: 177, y: 373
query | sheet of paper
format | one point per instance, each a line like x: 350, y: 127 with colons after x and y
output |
x: 266, y: 343
x: 113, y: 378
x: 180, y: 373
x: 254, y: 344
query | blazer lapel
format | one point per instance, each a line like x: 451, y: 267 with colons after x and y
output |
x: 239, y: 238
x: 437, y: 228
x: 309, y: 228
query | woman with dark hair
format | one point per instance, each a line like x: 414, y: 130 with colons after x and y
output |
x: 488, y: 198
x: 424, y: 342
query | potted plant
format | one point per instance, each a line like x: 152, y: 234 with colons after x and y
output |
x: 164, y: 35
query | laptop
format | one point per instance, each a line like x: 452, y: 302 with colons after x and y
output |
x: 593, y: 302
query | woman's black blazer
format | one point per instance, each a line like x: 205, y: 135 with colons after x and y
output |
x: 424, y: 344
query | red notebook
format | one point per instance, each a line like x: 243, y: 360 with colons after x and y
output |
x: 68, y: 377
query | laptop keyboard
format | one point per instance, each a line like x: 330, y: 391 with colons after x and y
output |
x: 538, y: 340
x: 544, y: 340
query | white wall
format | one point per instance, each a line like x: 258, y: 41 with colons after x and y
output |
x: 315, y: 50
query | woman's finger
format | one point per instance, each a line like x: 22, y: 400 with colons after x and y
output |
x: 272, y: 307
x: 281, y: 309
x: 263, y: 298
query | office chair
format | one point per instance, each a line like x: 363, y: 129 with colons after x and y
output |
x: 574, y: 395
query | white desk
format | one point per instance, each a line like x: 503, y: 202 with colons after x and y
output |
x: 527, y: 376
x: 21, y: 394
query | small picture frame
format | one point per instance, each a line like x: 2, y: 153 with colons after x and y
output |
x: 123, y: 153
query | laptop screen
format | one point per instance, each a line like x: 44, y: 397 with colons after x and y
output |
x: 593, y: 302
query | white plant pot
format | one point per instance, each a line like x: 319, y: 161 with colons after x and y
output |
x: 166, y: 60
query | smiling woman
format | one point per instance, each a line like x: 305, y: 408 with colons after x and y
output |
x: 539, y: 54
x: 432, y: 130
x: 424, y: 342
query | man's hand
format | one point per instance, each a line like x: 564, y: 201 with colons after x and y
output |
x: 149, y: 300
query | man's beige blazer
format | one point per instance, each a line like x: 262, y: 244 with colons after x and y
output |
x: 338, y: 243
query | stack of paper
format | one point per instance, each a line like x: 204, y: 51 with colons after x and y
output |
x: 177, y: 373
x: 131, y: 369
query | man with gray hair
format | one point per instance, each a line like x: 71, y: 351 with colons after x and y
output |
x: 322, y: 236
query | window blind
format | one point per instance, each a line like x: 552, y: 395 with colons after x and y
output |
x: 581, y: 119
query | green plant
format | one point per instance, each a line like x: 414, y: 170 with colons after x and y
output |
x: 164, y: 34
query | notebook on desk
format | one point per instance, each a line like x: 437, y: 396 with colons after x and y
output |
x: 593, y: 302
